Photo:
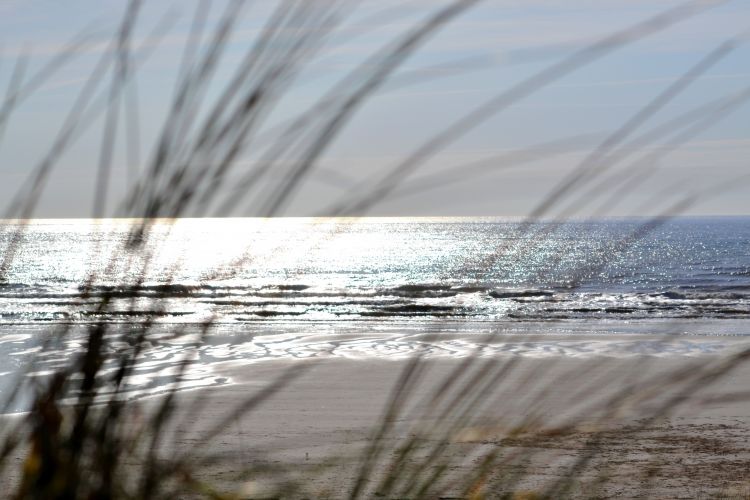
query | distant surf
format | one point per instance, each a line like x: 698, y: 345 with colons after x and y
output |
x: 473, y: 270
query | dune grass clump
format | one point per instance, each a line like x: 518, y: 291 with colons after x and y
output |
x: 83, y: 437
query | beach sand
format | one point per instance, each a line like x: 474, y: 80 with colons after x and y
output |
x: 540, y: 416
x: 699, y: 447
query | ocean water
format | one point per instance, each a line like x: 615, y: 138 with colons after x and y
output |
x: 298, y: 289
x: 412, y: 271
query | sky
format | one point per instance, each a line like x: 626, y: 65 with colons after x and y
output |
x: 517, y: 134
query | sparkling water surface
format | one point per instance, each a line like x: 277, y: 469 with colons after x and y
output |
x: 300, y: 289
x: 334, y: 271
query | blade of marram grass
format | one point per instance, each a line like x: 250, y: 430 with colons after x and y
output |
x: 400, y: 393
x: 590, y: 168
x: 431, y: 479
x: 392, y: 59
x: 519, y: 91
x: 109, y: 134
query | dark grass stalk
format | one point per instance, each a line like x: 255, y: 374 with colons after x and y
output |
x: 214, y: 139
x: 591, y: 167
x: 397, y: 81
x: 81, y: 115
x: 17, y: 91
x: 278, y: 77
x: 562, y: 487
x: 455, y: 400
x: 679, y: 205
x: 708, y: 116
x: 304, y: 140
x: 11, y: 97
x: 391, y: 60
x: 451, y: 176
x: 401, y: 390
x: 119, y: 78
x: 650, y: 161
x: 516, y: 93
x: 594, y: 159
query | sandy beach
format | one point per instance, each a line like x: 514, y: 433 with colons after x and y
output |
x: 327, y: 417
x: 397, y: 250
x: 635, y: 422
x: 542, y: 415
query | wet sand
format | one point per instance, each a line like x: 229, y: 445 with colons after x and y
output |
x: 700, y: 446
x: 540, y: 415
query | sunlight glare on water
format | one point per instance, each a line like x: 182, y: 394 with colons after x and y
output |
x: 360, y: 288
x: 239, y: 270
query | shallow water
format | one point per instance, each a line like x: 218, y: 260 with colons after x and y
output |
x: 292, y: 289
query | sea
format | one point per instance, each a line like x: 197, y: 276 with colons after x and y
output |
x: 302, y: 288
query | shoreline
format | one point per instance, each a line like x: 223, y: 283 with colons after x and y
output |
x: 548, y: 407
x: 315, y: 428
x: 332, y: 410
